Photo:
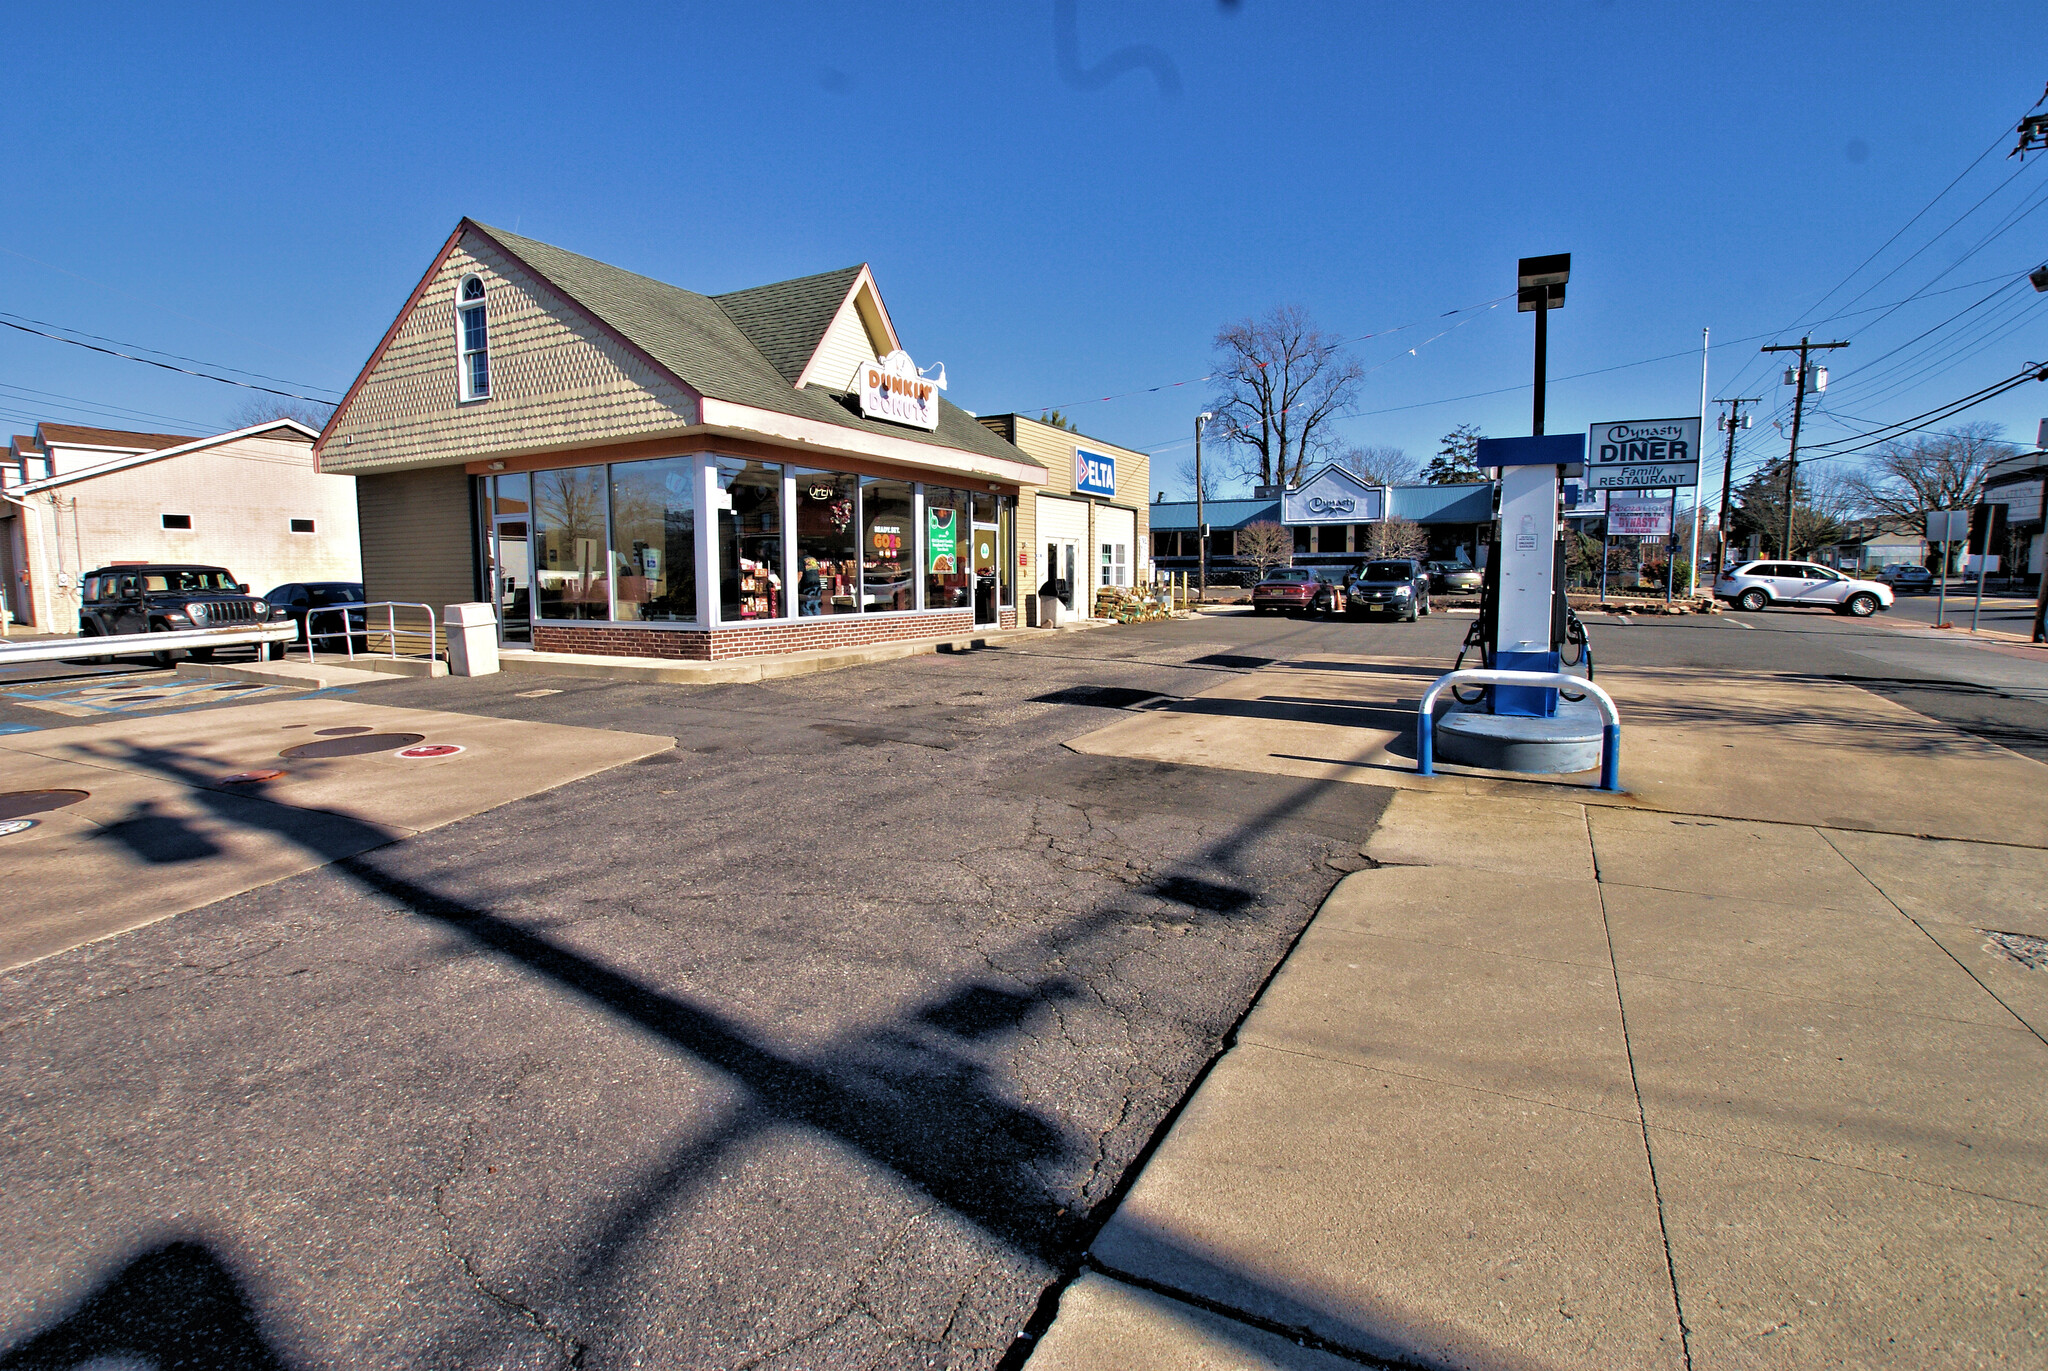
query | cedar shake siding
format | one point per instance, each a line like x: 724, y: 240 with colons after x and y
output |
x: 557, y: 379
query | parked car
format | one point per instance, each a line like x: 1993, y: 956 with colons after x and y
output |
x: 1399, y: 587
x: 1454, y: 578
x: 296, y: 600
x: 1331, y: 586
x: 1906, y: 576
x: 1758, y: 585
x: 1289, y: 589
x: 165, y: 599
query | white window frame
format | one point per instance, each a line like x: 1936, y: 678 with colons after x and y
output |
x: 463, y: 352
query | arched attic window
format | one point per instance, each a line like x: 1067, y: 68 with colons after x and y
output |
x: 473, y: 340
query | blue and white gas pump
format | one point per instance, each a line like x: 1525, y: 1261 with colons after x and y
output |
x: 1513, y: 721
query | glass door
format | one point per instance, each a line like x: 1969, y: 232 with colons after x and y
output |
x: 511, y: 560
x: 986, y: 598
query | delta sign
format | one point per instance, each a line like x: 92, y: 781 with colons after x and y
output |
x: 1643, y: 454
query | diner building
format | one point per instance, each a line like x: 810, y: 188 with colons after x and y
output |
x: 1329, y: 517
x: 624, y: 467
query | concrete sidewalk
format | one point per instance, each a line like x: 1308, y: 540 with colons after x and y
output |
x: 1679, y: 1081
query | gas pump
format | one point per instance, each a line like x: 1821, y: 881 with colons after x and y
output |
x: 1524, y: 622
x: 1506, y: 715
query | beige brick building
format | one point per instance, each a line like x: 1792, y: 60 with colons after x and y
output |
x: 74, y: 499
x: 625, y: 467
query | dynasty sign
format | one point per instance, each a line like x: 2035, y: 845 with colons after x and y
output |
x: 892, y: 389
x: 1643, y: 454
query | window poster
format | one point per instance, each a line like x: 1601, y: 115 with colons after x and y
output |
x: 942, y: 540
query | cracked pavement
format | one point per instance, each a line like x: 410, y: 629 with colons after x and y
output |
x: 819, y: 1041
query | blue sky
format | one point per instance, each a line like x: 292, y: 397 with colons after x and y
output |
x: 1056, y: 221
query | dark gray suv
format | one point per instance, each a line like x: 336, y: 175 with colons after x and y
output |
x: 1397, y: 587
x: 165, y: 599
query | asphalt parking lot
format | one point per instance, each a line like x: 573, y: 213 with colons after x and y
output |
x: 824, y: 1039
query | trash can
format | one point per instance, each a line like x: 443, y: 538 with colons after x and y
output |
x: 472, y: 640
x: 1052, y: 603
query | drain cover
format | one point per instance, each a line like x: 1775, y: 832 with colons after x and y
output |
x: 340, y: 732
x: 355, y: 745
x: 10, y: 826
x: 251, y: 777
x: 433, y: 750
x: 15, y: 803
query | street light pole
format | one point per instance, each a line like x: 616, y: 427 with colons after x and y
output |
x: 1201, y: 518
x: 1539, y: 288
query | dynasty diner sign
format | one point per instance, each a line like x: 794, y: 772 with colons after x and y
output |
x: 1643, y: 454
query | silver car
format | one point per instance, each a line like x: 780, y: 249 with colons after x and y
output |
x: 1758, y: 585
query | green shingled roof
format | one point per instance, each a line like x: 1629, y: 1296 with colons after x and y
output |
x: 786, y: 320
x: 734, y: 351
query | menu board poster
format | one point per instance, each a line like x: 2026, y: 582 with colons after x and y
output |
x: 942, y: 540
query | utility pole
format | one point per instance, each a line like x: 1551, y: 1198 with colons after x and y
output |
x: 1731, y: 422
x: 1804, y: 346
x: 1201, y: 524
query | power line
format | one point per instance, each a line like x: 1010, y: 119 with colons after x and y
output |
x: 1342, y: 342
x: 149, y: 362
x: 195, y: 361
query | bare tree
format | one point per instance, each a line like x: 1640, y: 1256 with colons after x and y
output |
x: 1825, y: 501
x: 1265, y: 545
x: 1904, y: 480
x: 1379, y: 465
x: 1211, y: 479
x: 268, y: 408
x: 1395, y: 538
x: 1283, y: 380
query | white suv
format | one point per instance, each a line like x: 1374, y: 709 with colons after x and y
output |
x: 1755, y: 585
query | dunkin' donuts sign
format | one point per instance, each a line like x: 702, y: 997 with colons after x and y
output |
x: 891, y: 389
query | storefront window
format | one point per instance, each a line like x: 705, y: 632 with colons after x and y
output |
x: 827, y: 543
x: 750, y: 540
x: 570, y: 576
x: 888, y: 546
x: 654, y: 541
x: 948, y: 579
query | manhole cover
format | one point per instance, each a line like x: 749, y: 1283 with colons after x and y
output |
x: 252, y: 777
x: 141, y: 699
x: 350, y: 731
x: 15, y: 803
x: 10, y: 826
x: 433, y: 750
x: 356, y: 745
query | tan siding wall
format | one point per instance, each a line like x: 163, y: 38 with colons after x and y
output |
x: 844, y: 347
x: 555, y: 379
x: 1053, y: 448
x: 416, y: 537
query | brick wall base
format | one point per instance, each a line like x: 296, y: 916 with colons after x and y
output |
x: 755, y: 640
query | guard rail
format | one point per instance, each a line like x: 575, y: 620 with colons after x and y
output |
x: 1610, y: 717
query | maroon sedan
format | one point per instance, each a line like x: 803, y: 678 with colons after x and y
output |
x: 1290, y: 588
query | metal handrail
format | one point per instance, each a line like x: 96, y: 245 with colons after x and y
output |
x: 390, y: 608
x: 1610, y: 717
x: 118, y: 644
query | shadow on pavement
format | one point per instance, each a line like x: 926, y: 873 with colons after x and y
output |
x: 906, y: 1093
x: 175, y: 1305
